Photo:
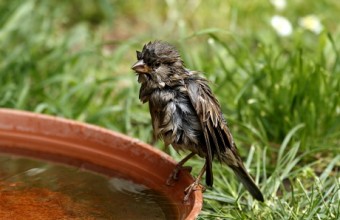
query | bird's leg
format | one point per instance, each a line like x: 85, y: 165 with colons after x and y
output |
x: 192, y: 187
x: 174, y: 175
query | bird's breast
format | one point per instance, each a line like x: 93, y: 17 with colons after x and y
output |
x: 175, y: 120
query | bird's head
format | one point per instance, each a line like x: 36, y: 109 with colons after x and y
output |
x: 158, y: 63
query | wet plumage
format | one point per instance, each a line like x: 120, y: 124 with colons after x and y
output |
x: 186, y: 114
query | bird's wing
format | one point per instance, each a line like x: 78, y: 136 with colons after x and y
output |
x: 218, y: 139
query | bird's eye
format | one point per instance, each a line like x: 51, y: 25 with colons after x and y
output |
x: 157, y: 64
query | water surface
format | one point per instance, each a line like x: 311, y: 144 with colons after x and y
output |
x: 35, y: 189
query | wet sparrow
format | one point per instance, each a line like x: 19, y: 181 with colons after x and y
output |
x: 186, y: 114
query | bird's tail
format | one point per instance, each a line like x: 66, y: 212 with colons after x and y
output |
x: 247, y: 181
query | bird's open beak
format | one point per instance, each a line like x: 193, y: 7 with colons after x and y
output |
x: 140, y: 67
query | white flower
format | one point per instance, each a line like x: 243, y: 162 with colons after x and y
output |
x: 311, y: 23
x: 282, y: 25
x: 279, y: 4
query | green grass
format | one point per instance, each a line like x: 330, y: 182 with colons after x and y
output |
x: 280, y: 95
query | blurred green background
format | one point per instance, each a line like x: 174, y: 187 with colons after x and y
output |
x: 274, y: 66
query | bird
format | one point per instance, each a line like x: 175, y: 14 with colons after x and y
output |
x: 186, y: 114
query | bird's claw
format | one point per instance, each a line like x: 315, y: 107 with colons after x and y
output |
x: 175, y: 174
x: 191, y: 188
